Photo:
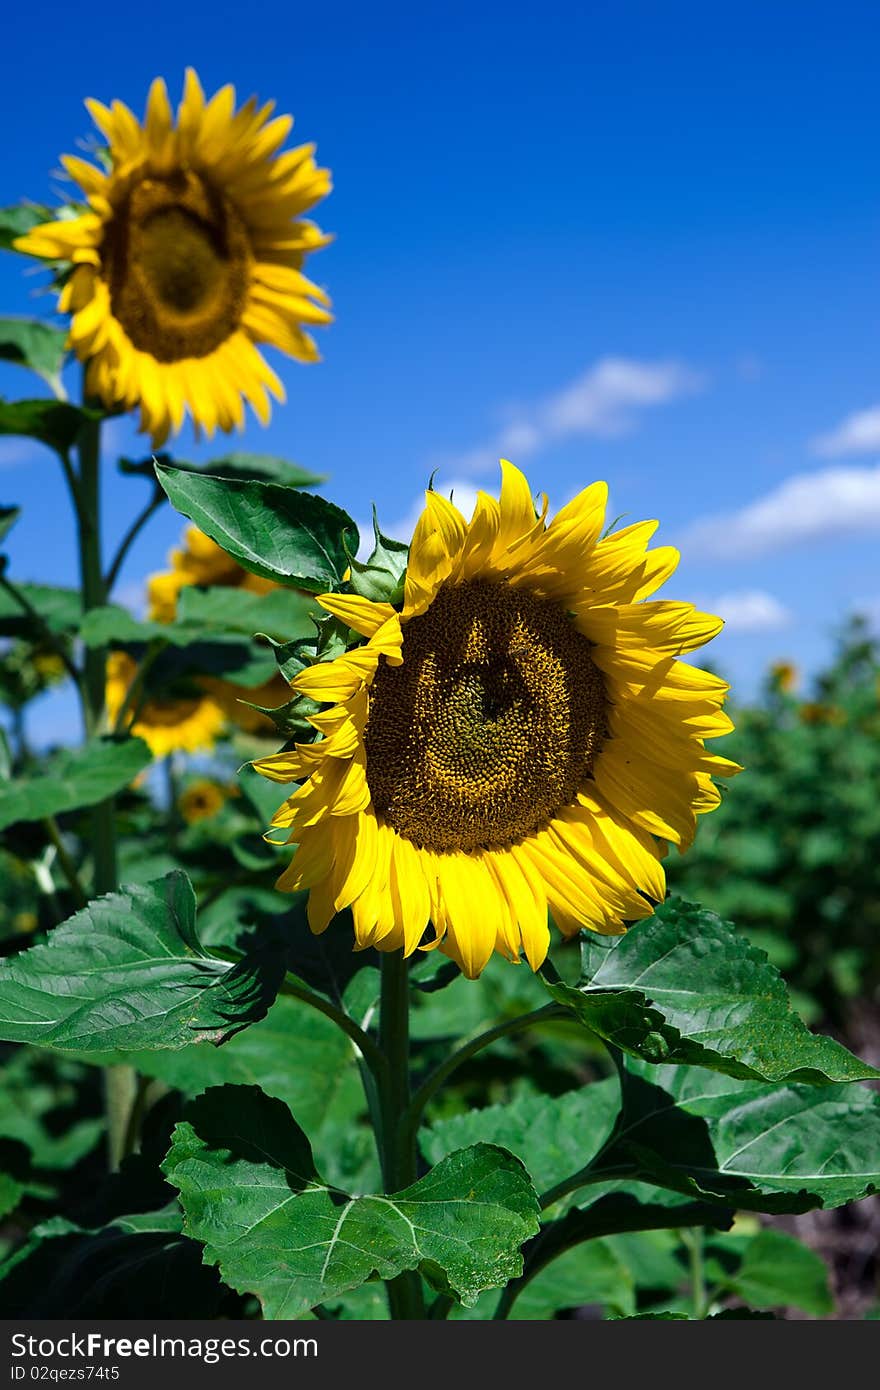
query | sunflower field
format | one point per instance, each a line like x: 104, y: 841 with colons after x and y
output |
x: 418, y: 930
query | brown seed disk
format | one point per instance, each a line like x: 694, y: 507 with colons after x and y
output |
x: 491, y: 724
x: 178, y: 264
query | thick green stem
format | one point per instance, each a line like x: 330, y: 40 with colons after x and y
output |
x: 95, y: 662
x: 120, y: 1082
x: 396, y: 1139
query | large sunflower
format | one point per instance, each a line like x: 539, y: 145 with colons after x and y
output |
x: 520, y: 737
x: 190, y: 254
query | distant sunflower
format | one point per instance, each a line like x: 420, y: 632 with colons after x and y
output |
x: 170, y: 724
x: 200, y: 561
x: 201, y: 800
x: 518, y: 738
x: 190, y: 254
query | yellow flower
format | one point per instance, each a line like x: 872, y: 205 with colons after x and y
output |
x: 784, y: 676
x: 165, y: 725
x: 190, y: 253
x: 517, y: 739
x: 198, y: 561
x: 201, y: 800
x: 816, y: 712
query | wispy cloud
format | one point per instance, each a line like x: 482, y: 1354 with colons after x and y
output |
x: 808, y: 506
x: 859, y: 433
x: 604, y: 401
x: 750, y: 610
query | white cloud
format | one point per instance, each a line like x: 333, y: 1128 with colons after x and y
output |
x: 604, y: 401
x: 857, y: 434
x: 806, y: 507
x: 750, y: 610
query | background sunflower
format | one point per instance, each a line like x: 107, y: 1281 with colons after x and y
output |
x: 189, y: 255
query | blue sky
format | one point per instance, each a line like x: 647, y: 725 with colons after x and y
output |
x: 626, y: 240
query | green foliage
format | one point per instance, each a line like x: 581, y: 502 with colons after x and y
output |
x: 129, y: 972
x: 684, y: 987
x: 34, y: 344
x: 74, y: 778
x: 277, y: 1230
x: 279, y: 533
x: 54, y: 423
x: 792, y: 855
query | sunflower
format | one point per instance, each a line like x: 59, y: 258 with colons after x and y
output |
x: 188, y: 723
x: 521, y: 737
x: 201, y: 800
x: 189, y: 255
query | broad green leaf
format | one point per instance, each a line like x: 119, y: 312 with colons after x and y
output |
x: 129, y: 972
x: 296, y: 1055
x: 17, y: 220
x: 250, y: 1191
x: 638, y: 1209
x: 262, y: 467
x: 777, y: 1271
x: 266, y: 468
x: 75, y: 778
x: 32, y: 343
x: 757, y: 1147
x: 282, y: 613
x: 685, y: 987
x: 554, y: 1136
x: 54, y: 423
x: 59, y: 609
x: 295, y: 538
x: 138, y: 1262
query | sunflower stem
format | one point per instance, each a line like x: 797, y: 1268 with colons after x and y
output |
x: 396, y: 1138
x: 120, y: 1082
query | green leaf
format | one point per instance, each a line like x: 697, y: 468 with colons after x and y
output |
x: 296, y: 1055
x: 266, y: 468
x: 292, y: 537
x: 76, y: 778
x: 15, y: 221
x: 32, y: 343
x: 11, y: 1193
x: 380, y: 578
x: 753, y: 1146
x: 59, y: 609
x: 8, y: 517
x: 685, y: 987
x: 554, y: 1136
x: 282, y: 613
x: 54, y: 423
x: 42, y: 1104
x: 142, y: 1261
x: 777, y: 1271
x: 129, y: 972
x: 250, y: 1191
